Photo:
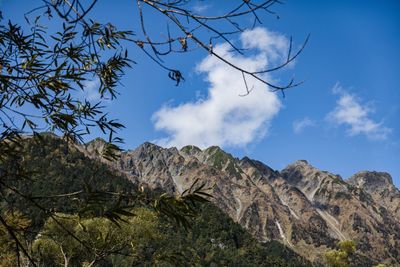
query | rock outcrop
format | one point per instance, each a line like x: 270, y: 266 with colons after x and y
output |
x: 381, y: 188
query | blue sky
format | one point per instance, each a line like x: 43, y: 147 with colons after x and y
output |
x: 344, y: 118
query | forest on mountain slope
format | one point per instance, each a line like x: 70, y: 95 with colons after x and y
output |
x: 90, y: 237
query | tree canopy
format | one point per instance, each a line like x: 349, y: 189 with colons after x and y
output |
x: 41, y: 73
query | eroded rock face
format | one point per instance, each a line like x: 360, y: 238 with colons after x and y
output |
x: 303, y: 207
x: 350, y: 211
x: 381, y: 188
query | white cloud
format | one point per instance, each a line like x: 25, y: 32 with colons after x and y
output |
x: 300, y: 125
x: 91, y: 90
x: 352, y: 112
x: 273, y: 45
x: 200, y: 7
x: 223, y: 117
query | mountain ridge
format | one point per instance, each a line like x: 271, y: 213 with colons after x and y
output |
x: 301, y: 206
x: 196, y: 148
x: 58, y: 167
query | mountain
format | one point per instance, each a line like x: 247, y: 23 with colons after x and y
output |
x: 298, y: 210
x: 56, y: 167
x: 306, y: 209
x: 381, y: 188
x: 349, y: 212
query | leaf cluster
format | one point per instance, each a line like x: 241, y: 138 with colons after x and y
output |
x: 45, y: 72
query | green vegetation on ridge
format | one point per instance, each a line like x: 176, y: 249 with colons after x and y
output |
x: 146, y: 239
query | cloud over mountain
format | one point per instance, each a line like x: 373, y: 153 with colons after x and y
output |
x: 223, y: 117
x: 350, y: 111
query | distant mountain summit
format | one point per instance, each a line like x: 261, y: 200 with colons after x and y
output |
x: 381, y: 188
x: 372, y: 180
x: 305, y: 208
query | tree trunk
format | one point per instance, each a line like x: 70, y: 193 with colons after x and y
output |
x: 66, y: 260
x: 91, y: 263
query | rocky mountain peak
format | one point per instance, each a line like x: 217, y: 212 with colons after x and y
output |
x: 371, y: 180
x: 190, y: 150
x: 381, y: 188
x: 217, y: 157
x: 314, y: 183
x: 215, y: 150
x: 150, y: 149
x: 96, y: 146
x: 300, y: 166
x: 302, y: 170
x: 265, y: 170
x: 96, y: 141
x: 147, y: 146
x: 299, y: 171
x: 301, y: 162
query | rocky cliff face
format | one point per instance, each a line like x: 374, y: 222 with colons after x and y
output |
x: 303, y: 207
x: 349, y: 211
x: 381, y: 188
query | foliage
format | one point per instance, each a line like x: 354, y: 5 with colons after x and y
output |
x: 214, y: 239
x: 42, y: 73
x: 341, y: 256
x: 18, y: 223
x: 63, y: 180
x: 183, y: 206
x: 89, y: 241
x: 60, y: 179
x: 148, y: 238
x: 145, y: 240
x: 43, y: 70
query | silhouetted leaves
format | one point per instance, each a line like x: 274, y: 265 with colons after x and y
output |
x: 176, y: 75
